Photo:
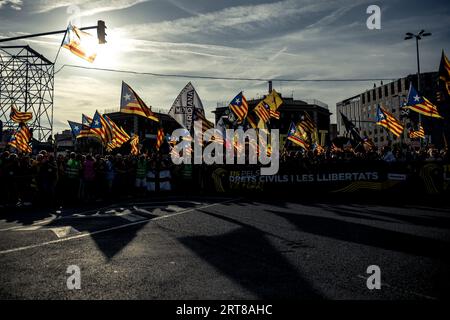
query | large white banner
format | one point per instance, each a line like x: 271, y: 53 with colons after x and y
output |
x: 183, y: 107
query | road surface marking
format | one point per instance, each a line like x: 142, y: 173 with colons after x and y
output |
x: 383, y: 284
x: 62, y: 232
x: 87, y: 234
x: 31, y: 225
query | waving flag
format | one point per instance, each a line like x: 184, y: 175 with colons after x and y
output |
x: 421, y: 104
x: 101, y: 128
x: 307, y: 123
x: 76, y: 128
x: 119, y: 136
x: 20, y: 117
x: 80, y: 43
x: 85, y: 127
x: 131, y: 103
x: 387, y: 120
x: 295, y: 136
x: 21, y: 139
x: 134, y: 142
x: 262, y: 110
x: 159, y: 138
x: 350, y: 127
x: 417, y: 134
x: 273, y: 100
x: 239, y: 107
x: 444, y: 73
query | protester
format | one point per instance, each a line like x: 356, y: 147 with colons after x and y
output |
x: 41, y: 180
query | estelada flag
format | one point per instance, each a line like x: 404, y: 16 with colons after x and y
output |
x: 420, y: 104
x: 131, y: 103
x: 80, y: 43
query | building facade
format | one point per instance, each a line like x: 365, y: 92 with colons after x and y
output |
x: 361, y: 110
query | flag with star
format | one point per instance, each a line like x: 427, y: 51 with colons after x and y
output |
x: 421, y: 104
x: 76, y: 128
x: 101, y: 128
x: 239, y: 107
x: 131, y: 103
x: 388, y: 121
x: 295, y: 136
x: 80, y: 43
x: 85, y: 127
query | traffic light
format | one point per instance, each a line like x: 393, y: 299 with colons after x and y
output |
x: 101, y: 31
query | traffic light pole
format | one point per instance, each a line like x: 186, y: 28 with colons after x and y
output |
x: 100, y: 30
x: 42, y: 34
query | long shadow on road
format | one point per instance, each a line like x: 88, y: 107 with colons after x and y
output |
x: 246, y: 257
x: 368, y: 235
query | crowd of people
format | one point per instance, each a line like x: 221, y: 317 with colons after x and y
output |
x: 73, y: 178
x: 390, y: 154
x: 76, y: 178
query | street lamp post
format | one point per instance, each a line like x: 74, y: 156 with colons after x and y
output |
x: 418, y: 37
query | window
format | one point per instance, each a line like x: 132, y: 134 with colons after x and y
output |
x: 399, y: 85
x: 368, y: 96
x: 381, y: 139
x: 363, y: 98
x: 373, y: 95
x: 379, y: 93
x: 386, y: 93
x: 375, y: 140
x: 392, y: 88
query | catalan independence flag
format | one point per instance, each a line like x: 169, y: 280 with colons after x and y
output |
x: 21, y: 139
x: 119, y: 136
x: 20, y: 117
x: 159, y: 138
x: 131, y: 103
x: 76, y: 128
x: 85, y: 127
x: 444, y: 72
x: 296, y: 137
x: 262, y: 110
x: 101, y: 128
x: 387, y: 120
x: 134, y: 142
x: 307, y: 123
x: 421, y: 104
x: 239, y: 107
x: 417, y: 134
x: 80, y: 43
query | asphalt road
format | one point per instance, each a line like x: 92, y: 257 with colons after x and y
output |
x: 227, y: 248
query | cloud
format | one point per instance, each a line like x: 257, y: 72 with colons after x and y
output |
x: 13, y: 4
x: 87, y: 7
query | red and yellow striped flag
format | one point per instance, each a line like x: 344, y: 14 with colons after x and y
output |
x: 21, y: 139
x: 20, y: 117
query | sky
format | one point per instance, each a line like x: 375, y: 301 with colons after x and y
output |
x: 290, y: 39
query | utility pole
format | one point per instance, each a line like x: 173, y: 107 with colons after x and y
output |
x: 418, y: 37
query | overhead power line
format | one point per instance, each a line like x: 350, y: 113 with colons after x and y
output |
x: 220, y: 78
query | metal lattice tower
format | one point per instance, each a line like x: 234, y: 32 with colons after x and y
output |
x: 27, y: 81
